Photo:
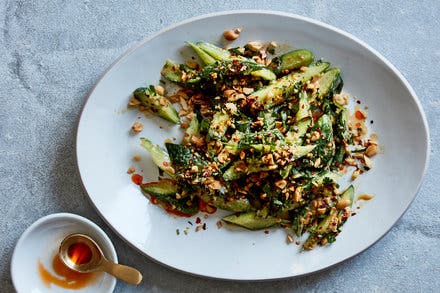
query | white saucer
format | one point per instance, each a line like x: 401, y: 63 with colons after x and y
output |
x: 40, y: 242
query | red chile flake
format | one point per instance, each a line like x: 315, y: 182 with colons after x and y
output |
x: 359, y: 115
x: 198, y: 221
x: 266, y: 231
x: 137, y: 179
x: 165, y: 164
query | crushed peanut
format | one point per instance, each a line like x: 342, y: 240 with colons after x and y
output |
x: 341, y: 99
x: 355, y: 174
x: 131, y: 170
x: 372, y: 150
x: 134, y: 102
x: 281, y: 184
x: 160, y: 90
x: 315, y: 136
x: 137, y: 127
x: 343, y: 203
x: 232, y: 34
x: 255, y: 46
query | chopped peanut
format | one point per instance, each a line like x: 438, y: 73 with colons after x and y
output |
x: 232, y: 34
x: 137, y: 127
x: 315, y: 136
x: 159, y: 90
x: 281, y: 183
x: 215, y: 185
x: 131, y: 170
x: 372, y: 150
x: 341, y: 99
x: 367, y: 162
x: 343, y: 203
x: 355, y: 174
x: 255, y: 46
x: 321, y: 211
x: 134, y: 102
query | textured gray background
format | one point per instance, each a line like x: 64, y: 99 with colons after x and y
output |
x: 51, y: 54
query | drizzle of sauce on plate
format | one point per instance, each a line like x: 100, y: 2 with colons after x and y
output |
x: 137, y: 179
x: 65, y: 277
x: 364, y: 197
x: 167, y: 207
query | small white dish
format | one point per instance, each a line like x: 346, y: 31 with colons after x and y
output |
x: 40, y: 243
x: 105, y: 150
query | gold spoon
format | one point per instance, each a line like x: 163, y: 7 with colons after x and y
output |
x: 97, y: 261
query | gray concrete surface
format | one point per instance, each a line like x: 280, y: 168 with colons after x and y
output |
x: 51, y: 54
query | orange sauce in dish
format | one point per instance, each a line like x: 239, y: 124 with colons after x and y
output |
x: 79, y: 253
x: 65, y: 277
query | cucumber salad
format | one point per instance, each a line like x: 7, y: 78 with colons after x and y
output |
x: 266, y: 136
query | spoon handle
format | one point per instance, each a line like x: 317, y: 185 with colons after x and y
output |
x: 125, y: 273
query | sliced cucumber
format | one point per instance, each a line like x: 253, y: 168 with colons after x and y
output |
x: 206, y: 58
x: 273, y: 93
x: 165, y: 191
x: 251, y: 221
x: 264, y: 73
x: 303, y: 107
x: 224, y: 55
x: 292, y: 60
x: 192, y: 130
x: 324, y: 227
x: 219, y: 125
x: 331, y: 82
x: 182, y: 158
x: 321, y: 230
x: 174, y: 73
x: 326, y: 145
x: 161, y: 189
x: 240, y: 168
x: 156, y: 103
x: 298, y: 151
x: 236, y: 205
x: 214, y: 51
x: 159, y: 156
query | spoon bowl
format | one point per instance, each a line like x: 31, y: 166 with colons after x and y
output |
x: 93, y: 259
x: 92, y: 264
